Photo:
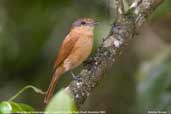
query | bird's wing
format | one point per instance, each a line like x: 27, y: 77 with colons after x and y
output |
x: 65, y: 48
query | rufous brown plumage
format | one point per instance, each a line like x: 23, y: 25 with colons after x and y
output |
x: 75, y: 49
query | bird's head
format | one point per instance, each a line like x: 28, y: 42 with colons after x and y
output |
x: 84, y: 23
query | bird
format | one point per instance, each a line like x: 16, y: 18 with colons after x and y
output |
x: 74, y: 50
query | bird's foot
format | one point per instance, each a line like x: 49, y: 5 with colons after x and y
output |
x: 75, y: 77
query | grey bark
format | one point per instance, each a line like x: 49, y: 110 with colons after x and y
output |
x: 124, y: 28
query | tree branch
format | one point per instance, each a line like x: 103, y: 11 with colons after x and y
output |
x: 121, y: 32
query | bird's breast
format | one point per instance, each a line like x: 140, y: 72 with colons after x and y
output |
x: 84, y: 46
x: 80, y: 52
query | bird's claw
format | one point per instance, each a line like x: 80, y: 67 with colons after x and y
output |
x: 76, y: 78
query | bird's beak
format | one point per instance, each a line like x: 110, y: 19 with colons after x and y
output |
x: 96, y: 23
x: 93, y: 23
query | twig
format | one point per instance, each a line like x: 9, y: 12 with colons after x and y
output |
x: 25, y: 88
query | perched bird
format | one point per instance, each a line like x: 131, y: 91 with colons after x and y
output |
x: 75, y: 49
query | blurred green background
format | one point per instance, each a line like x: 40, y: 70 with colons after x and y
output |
x: 32, y: 31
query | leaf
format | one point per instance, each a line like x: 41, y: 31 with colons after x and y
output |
x: 61, y: 102
x: 12, y: 107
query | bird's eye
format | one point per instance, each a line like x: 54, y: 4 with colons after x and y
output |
x: 83, y: 23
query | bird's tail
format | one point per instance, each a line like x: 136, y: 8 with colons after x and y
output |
x: 56, y: 75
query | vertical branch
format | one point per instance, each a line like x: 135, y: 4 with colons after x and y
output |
x: 119, y: 9
x: 122, y: 31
